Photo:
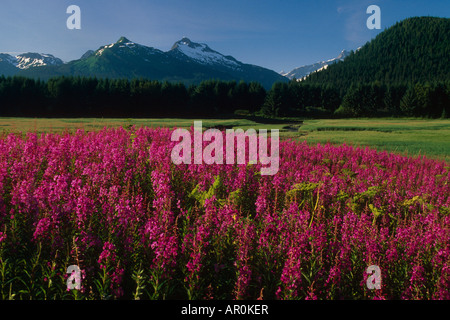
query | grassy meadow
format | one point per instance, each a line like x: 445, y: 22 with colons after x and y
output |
x: 406, y: 136
x: 413, y: 137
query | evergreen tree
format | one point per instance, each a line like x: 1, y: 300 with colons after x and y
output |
x: 409, y: 103
x: 257, y: 96
x: 278, y: 101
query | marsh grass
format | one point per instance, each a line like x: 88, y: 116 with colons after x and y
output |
x: 407, y: 136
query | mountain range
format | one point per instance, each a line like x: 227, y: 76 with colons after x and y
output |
x: 415, y: 49
x: 186, y: 62
x: 302, y: 72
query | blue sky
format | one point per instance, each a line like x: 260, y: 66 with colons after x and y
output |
x: 279, y: 35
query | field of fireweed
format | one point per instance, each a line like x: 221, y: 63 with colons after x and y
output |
x: 140, y: 227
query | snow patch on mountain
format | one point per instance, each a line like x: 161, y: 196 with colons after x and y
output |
x: 203, y: 54
x: 302, y: 72
x: 102, y: 49
x: 28, y: 60
x: 125, y: 44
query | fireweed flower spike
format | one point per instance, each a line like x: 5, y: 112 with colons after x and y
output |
x: 114, y: 203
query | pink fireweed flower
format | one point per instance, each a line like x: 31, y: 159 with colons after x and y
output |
x: 114, y: 196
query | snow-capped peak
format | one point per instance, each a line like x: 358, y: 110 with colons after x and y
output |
x: 124, y: 43
x: 203, y: 54
x: 31, y: 59
x: 303, y: 71
x: 341, y: 56
x: 185, y: 41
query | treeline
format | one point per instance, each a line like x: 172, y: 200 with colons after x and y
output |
x: 92, y: 97
x: 429, y: 99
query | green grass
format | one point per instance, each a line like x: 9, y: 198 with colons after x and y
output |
x: 406, y: 136
x: 61, y: 124
x: 412, y: 137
